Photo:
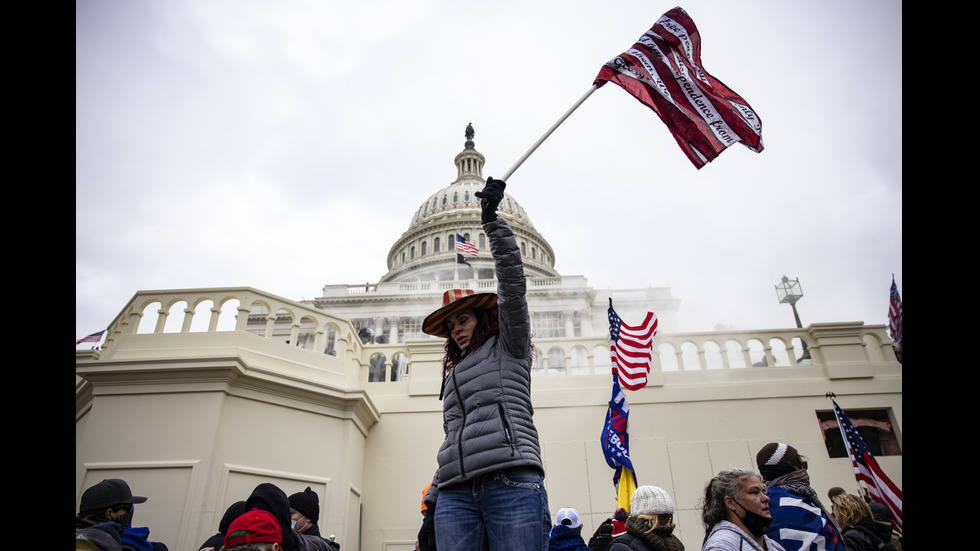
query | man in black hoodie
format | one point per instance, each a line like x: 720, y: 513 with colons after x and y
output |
x: 236, y: 510
x: 271, y: 498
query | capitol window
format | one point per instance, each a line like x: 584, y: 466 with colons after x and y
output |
x: 435, y: 245
x: 409, y: 328
x: 874, y: 425
x: 548, y: 325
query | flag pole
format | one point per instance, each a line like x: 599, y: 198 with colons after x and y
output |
x: 548, y: 133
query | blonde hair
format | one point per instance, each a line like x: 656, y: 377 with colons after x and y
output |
x: 653, y: 521
x: 849, y: 508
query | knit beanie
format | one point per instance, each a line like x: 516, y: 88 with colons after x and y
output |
x: 619, y: 522
x: 776, y: 459
x: 651, y: 500
x: 307, y: 503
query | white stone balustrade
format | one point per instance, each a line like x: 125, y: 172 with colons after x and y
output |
x: 845, y: 349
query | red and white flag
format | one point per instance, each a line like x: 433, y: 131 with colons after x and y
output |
x: 94, y: 337
x: 466, y: 246
x: 866, y: 469
x: 663, y: 70
x: 631, y: 349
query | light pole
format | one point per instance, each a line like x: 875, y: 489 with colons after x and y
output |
x: 789, y: 291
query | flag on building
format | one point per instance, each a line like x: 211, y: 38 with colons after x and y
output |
x: 94, y: 337
x: 663, y: 70
x: 615, y: 445
x: 631, y: 349
x: 895, y: 320
x: 460, y: 259
x: 463, y: 244
x: 866, y: 469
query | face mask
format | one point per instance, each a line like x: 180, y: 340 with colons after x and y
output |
x: 756, y: 523
x: 292, y: 524
x: 123, y: 520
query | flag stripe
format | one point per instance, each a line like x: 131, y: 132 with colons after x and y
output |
x: 94, y: 337
x: 663, y: 70
x: 631, y: 349
x: 867, y: 470
x: 895, y: 314
x: 462, y: 244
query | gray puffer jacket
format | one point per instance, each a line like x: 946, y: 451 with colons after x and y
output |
x: 487, y: 399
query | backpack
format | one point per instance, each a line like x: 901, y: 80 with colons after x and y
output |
x: 882, y: 545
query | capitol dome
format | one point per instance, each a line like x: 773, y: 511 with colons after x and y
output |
x: 426, y: 252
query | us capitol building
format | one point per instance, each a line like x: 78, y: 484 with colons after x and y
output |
x: 198, y: 395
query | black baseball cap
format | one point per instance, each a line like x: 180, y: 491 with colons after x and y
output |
x: 109, y: 492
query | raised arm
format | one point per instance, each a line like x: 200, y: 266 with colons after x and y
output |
x: 515, y: 322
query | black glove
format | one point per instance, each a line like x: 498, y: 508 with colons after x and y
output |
x: 427, y: 534
x: 492, y: 195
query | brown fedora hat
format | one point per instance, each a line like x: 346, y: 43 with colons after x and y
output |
x: 455, y: 300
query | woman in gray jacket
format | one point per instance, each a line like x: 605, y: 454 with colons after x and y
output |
x: 488, y: 492
x: 735, y: 513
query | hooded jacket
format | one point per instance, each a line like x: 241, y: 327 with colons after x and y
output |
x: 868, y: 535
x: 271, y: 498
x: 566, y: 538
x: 236, y: 510
x: 487, y: 398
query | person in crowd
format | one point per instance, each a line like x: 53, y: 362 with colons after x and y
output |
x: 491, y: 449
x: 271, y: 498
x: 255, y: 530
x: 610, y: 528
x: 304, y: 510
x: 566, y: 535
x: 112, y: 501
x: 650, y: 524
x: 234, y: 511
x: 735, y: 513
x: 861, y: 532
x: 800, y: 522
x: 427, y: 534
x: 881, y: 515
x: 99, y: 537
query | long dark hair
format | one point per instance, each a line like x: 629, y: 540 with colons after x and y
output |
x: 487, y: 325
x: 726, y: 483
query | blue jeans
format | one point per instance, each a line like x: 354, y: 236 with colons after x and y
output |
x: 505, y: 510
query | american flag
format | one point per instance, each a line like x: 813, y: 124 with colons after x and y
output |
x: 631, y: 349
x: 895, y: 318
x: 94, y: 337
x: 866, y: 469
x: 462, y: 244
x: 663, y: 70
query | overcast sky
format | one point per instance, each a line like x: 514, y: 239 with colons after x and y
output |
x: 285, y: 145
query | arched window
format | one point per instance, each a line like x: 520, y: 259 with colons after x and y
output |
x: 435, y: 245
x: 399, y: 367
x: 376, y: 371
x: 425, y: 247
x: 556, y: 359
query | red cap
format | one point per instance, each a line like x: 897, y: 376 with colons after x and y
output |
x: 261, y: 526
